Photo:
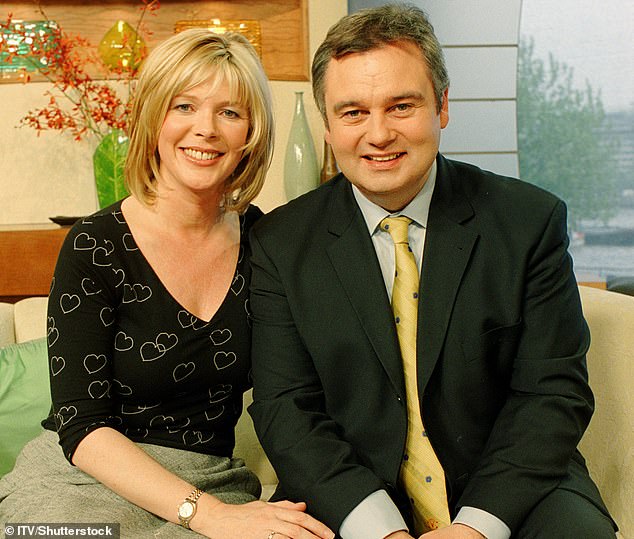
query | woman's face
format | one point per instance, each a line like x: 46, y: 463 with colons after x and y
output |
x: 202, y: 139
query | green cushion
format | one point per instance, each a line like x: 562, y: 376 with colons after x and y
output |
x: 25, y: 397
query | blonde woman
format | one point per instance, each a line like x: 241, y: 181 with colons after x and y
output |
x: 148, y: 322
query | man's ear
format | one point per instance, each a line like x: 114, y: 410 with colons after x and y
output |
x: 444, y: 109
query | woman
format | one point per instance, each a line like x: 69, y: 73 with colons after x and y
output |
x: 148, y: 324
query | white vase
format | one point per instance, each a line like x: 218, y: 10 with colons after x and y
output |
x: 301, y: 172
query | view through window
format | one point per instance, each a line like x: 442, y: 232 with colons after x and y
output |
x: 576, y: 124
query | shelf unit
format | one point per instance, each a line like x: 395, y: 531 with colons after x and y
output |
x: 283, y: 24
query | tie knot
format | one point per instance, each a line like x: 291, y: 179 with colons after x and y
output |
x: 397, y: 228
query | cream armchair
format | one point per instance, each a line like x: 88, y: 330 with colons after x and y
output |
x: 608, y: 445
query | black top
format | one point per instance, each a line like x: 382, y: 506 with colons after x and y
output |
x: 124, y: 353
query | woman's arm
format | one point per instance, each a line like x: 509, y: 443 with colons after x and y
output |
x: 126, y: 469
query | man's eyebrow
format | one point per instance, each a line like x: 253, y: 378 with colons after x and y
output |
x: 417, y: 96
x: 346, y: 104
x: 409, y: 95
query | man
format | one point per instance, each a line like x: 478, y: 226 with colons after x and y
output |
x: 497, y: 397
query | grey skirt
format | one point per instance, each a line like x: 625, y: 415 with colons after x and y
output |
x: 44, y: 487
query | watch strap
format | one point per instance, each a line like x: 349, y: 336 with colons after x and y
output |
x: 192, y: 499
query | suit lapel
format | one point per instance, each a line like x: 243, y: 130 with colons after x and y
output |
x: 448, y: 248
x: 354, y: 260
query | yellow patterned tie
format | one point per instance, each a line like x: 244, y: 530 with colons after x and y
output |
x: 421, y: 473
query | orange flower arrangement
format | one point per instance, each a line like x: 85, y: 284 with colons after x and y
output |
x: 79, y: 103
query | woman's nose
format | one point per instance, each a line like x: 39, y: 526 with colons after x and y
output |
x: 205, y: 125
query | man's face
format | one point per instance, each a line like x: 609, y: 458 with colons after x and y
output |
x: 383, y: 124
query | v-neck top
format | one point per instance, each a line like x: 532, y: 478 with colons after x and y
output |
x: 124, y: 353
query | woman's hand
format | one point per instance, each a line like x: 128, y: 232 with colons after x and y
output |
x: 455, y: 531
x: 257, y: 520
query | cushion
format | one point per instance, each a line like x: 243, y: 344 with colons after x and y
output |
x: 25, y: 397
x: 7, y: 328
x: 30, y: 318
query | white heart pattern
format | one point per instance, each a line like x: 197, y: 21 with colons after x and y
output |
x: 195, y: 437
x: 99, y: 389
x: 84, y: 242
x: 94, y: 363
x: 136, y: 292
x: 69, y: 302
x: 188, y: 320
x: 107, y: 316
x: 222, y: 360
x: 52, y: 334
x: 65, y: 414
x: 89, y: 287
x: 183, y: 370
x: 216, y: 415
x: 220, y: 336
x: 57, y: 365
x: 121, y: 274
x: 100, y: 257
x: 120, y: 388
x: 166, y: 341
x: 220, y: 394
x: 128, y: 242
x: 122, y: 342
x: 238, y: 284
x: 151, y: 352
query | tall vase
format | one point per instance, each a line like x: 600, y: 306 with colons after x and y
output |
x: 301, y: 172
x: 108, y: 164
x: 329, y: 164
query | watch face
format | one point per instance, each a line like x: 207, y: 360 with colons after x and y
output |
x: 186, y: 510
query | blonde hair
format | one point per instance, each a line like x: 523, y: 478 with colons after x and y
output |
x: 182, y: 62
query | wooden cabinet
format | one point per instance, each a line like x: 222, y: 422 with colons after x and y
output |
x: 283, y: 24
x: 28, y: 255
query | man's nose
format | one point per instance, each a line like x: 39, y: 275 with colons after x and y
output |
x: 379, y: 132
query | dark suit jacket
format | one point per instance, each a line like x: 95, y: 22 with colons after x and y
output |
x: 501, y: 344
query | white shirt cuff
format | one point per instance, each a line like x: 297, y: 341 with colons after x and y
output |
x: 487, y: 524
x: 375, y: 517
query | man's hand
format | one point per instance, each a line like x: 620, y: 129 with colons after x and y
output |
x: 455, y: 531
x: 399, y: 535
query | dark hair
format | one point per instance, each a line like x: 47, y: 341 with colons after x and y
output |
x: 372, y: 28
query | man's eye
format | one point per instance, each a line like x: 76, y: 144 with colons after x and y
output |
x: 402, y: 107
x: 352, y: 114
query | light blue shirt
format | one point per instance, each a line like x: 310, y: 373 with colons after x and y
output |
x: 376, y: 516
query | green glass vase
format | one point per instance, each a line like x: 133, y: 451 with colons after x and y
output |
x: 121, y: 47
x: 301, y: 172
x: 108, y: 164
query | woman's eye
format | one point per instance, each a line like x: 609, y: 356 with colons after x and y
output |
x: 184, y: 107
x: 227, y: 113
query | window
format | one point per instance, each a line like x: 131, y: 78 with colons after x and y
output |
x: 575, y: 113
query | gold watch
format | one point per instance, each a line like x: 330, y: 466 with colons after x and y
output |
x: 187, y: 509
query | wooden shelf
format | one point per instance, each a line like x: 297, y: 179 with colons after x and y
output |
x: 283, y: 24
x: 28, y: 255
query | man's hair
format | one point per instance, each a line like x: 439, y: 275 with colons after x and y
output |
x: 372, y: 28
x: 178, y: 64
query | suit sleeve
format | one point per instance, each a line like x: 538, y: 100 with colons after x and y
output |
x: 305, y: 445
x: 532, y: 446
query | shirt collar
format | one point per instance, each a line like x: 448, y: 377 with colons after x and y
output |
x: 417, y: 210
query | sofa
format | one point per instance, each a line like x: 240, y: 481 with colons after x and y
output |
x: 608, y: 444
